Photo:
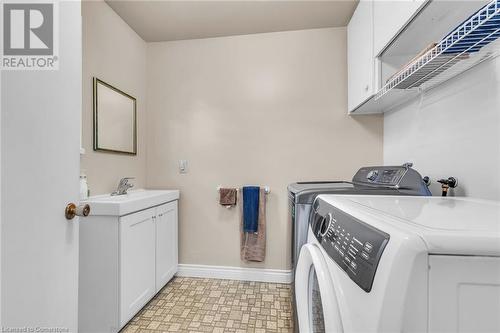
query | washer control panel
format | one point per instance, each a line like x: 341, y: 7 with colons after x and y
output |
x: 354, y: 245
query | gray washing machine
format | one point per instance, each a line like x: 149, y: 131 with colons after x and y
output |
x: 373, y: 180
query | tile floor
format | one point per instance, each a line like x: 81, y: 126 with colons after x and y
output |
x: 211, y: 305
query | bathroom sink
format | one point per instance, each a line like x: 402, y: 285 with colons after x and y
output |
x: 133, y: 201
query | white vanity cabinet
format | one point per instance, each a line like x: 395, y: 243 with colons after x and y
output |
x: 166, y: 243
x: 148, y: 256
x: 128, y: 252
x: 137, y: 262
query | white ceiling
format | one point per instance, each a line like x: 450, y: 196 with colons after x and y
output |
x: 165, y: 20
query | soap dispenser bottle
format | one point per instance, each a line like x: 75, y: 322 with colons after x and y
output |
x: 84, y: 187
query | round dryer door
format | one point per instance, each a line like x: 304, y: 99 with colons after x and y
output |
x: 317, y: 307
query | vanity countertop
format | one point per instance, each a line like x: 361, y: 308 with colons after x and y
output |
x: 133, y: 201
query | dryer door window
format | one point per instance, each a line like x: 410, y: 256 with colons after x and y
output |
x: 316, y: 315
x: 317, y: 306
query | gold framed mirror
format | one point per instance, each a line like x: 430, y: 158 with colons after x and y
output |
x: 115, y: 119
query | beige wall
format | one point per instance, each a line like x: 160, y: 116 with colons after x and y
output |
x: 114, y: 53
x: 264, y: 109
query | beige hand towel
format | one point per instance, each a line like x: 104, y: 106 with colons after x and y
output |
x: 253, y: 245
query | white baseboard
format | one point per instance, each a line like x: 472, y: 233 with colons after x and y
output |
x: 235, y: 273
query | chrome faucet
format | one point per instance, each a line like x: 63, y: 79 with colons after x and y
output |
x: 123, y: 186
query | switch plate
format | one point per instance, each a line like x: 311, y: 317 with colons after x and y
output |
x: 183, y: 166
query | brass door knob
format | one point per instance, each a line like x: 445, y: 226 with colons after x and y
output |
x: 72, y: 210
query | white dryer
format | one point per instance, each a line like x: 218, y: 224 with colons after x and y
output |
x: 393, y: 264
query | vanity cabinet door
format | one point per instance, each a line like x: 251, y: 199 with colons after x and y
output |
x: 166, y: 243
x: 137, y: 262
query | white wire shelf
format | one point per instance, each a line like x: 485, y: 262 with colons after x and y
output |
x: 474, y: 41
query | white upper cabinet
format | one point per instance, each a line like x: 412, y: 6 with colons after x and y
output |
x: 374, y: 24
x: 360, y: 60
x: 389, y: 18
x: 385, y: 36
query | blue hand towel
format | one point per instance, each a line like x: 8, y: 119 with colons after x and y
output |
x: 250, y: 208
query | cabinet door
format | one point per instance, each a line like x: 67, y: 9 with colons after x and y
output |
x: 360, y: 61
x: 389, y: 18
x: 137, y: 262
x: 166, y: 243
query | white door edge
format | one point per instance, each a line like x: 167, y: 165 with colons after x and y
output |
x: 0, y: 200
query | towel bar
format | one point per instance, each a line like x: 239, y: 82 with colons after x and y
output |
x: 267, y: 190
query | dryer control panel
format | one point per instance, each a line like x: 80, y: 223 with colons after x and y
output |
x: 355, y: 246
x: 381, y: 176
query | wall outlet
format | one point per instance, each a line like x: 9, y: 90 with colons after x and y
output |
x: 183, y: 166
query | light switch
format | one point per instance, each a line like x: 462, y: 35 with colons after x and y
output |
x: 183, y: 166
